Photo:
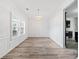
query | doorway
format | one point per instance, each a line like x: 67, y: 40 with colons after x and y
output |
x: 71, y: 26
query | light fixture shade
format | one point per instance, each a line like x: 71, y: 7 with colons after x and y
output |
x: 39, y: 17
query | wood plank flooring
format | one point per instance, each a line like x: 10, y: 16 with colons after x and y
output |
x: 40, y: 48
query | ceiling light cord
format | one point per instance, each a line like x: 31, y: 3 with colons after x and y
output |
x: 38, y: 11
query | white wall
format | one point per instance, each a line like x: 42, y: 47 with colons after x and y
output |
x: 4, y: 30
x: 57, y: 24
x: 38, y: 27
x: 56, y: 30
x: 6, y: 42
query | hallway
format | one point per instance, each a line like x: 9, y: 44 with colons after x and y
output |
x: 40, y: 48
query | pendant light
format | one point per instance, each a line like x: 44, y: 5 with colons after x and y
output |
x: 38, y: 15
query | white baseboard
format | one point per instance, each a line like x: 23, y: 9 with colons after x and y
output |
x: 60, y: 45
x: 11, y: 48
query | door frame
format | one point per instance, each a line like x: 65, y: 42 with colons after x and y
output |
x: 64, y: 25
x: 64, y: 28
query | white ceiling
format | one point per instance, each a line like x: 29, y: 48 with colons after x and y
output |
x: 46, y: 6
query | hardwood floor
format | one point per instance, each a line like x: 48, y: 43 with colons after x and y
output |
x: 40, y: 48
